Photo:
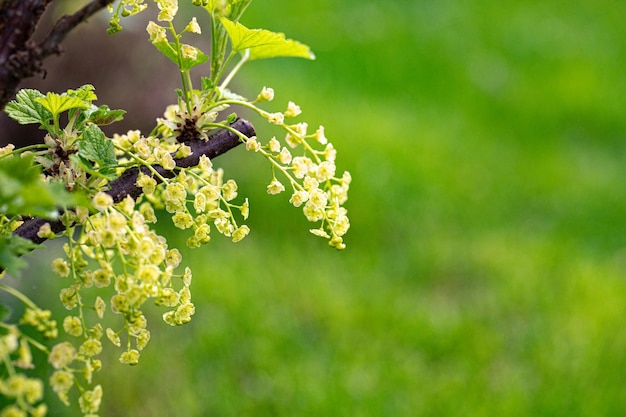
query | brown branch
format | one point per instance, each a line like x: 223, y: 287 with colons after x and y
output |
x: 219, y: 143
x: 18, y: 20
x: 20, y: 56
x: 51, y: 45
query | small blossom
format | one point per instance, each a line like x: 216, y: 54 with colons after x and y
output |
x: 168, y: 8
x: 102, y: 201
x: 175, y: 192
x: 182, y: 220
x: 210, y: 191
x: 157, y: 33
x: 90, y: 347
x: 173, y: 258
x: 146, y: 183
x: 319, y: 136
x: 205, y: 163
x: 341, y: 226
x: 72, y: 326
x: 61, y: 381
x: 45, y: 231
x: 187, y: 276
x: 245, y: 209
x: 312, y: 213
x: 325, y: 171
x: 69, y: 297
x: 252, y: 144
x: 274, y: 145
x: 318, y: 198
x: 184, y: 312
x: 284, y: 156
x: 293, y: 110
x: 320, y: 232
x: 224, y: 226
x: 266, y: 94
x: 298, y: 198
x: 240, y: 233
x: 167, y: 297
x: 189, y: 52
x: 310, y: 184
x: 199, y: 203
x: 102, y: 277
x: 300, y: 166
x: 202, y: 233
x: 62, y: 355
x: 89, y: 401
x: 168, y: 162
x: 276, y: 118
x: 7, y: 149
x: 113, y: 337
x: 193, y: 26
x: 142, y: 339
x: 275, y: 187
x: 229, y: 190
x: 100, y: 307
x: 60, y: 267
x: 330, y: 153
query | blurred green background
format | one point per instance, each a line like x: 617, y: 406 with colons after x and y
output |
x: 485, y: 272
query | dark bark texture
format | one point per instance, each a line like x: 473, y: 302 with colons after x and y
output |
x: 21, y: 56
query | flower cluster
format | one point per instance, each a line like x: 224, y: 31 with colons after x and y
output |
x: 310, y: 173
x: 21, y: 392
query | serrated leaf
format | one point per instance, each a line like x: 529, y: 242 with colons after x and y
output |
x: 103, y: 115
x: 96, y: 147
x: 24, y: 193
x: 26, y: 110
x: 58, y: 103
x: 85, y: 93
x: 263, y: 43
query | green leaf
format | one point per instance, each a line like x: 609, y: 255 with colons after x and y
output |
x: 168, y: 49
x: 25, y: 109
x: 58, y: 103
x: 23, y: 192
x: 85, y: 93
x: 264, y: 43
x: 11, y: 248
x: 189, y: 63
x: 96, y: 147
x: 103, y: 115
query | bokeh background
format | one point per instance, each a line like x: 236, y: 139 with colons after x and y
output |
x: 485, y: 272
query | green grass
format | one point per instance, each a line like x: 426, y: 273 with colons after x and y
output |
x: 485, y: 270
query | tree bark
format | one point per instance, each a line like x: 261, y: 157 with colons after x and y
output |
x: 20, y: 56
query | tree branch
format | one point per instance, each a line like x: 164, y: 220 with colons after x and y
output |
x: 219, y: 143
x: 20, y: 56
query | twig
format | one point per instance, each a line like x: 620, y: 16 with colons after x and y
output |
x: 219, y: 143
x: 66, y: 24
x: 20, y: 56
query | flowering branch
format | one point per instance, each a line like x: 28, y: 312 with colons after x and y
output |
x: 219, y: 143
x: 20, y: 56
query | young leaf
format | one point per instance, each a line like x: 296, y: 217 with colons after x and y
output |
x: 96, y: 147
x: 24, y: 193
x: 58, y: 103
x: 264, y: 43
x: 25, y: 109
x: 103, y: 115
x: 85, y: 93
